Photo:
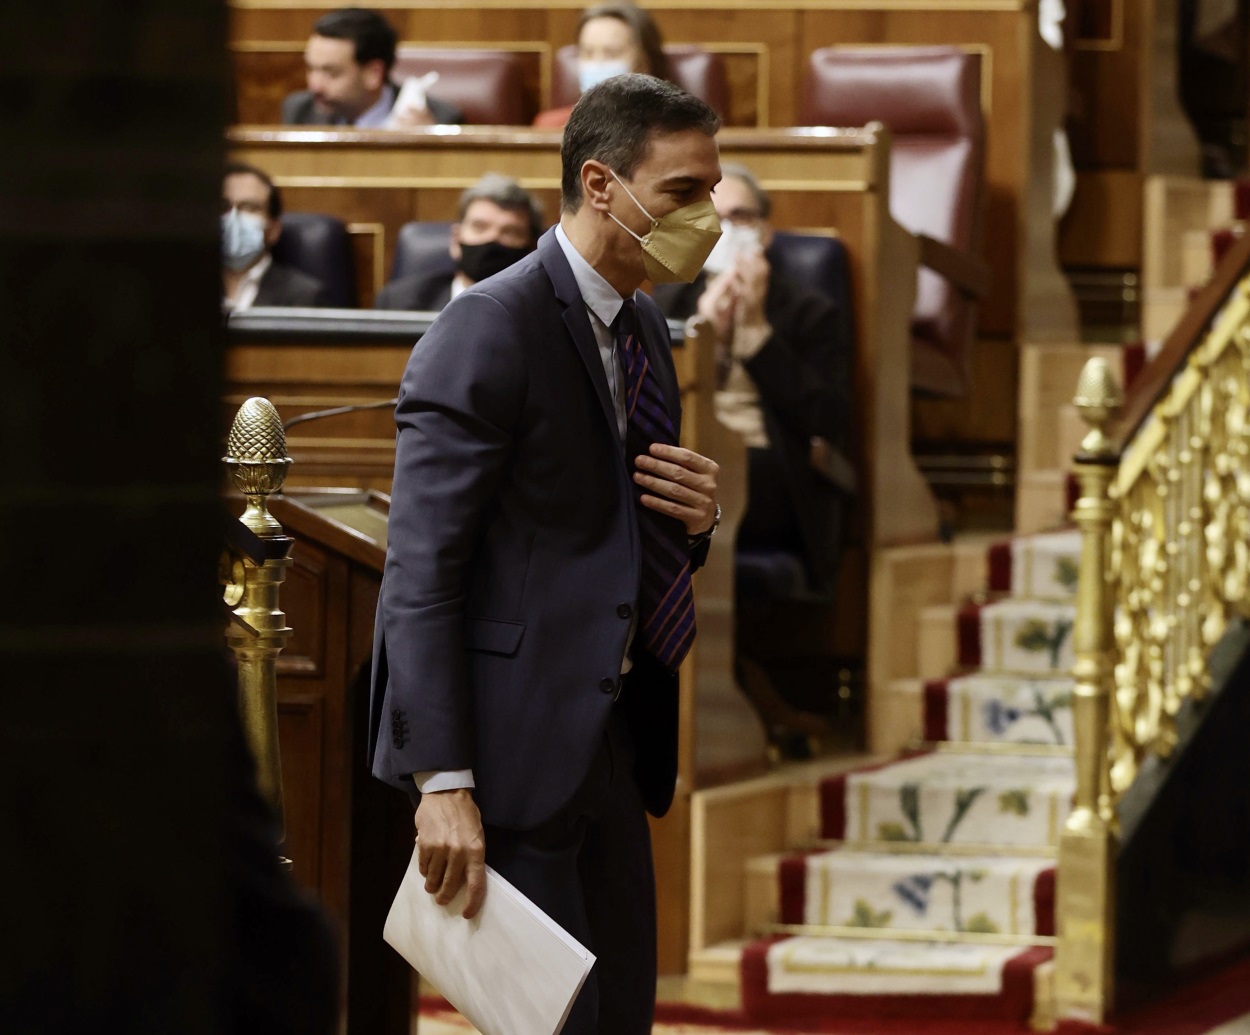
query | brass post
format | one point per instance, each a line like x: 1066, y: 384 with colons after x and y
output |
x: 256, y: 454
x: 1085, y: 892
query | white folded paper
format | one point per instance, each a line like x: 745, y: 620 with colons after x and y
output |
x: 511, y: 970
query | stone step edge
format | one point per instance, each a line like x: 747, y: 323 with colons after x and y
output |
x: 1016, y: 1002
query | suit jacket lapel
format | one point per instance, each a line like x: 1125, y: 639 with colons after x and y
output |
x: 577, y: 320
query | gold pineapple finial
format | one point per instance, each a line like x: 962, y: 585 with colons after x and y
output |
x: 1098, y: 398
x: 256, y: 452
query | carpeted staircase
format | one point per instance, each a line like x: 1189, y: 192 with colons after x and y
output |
x: 931, y: 889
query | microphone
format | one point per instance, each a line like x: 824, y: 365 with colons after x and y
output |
x: 336, y: 411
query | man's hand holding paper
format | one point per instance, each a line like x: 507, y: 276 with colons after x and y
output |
x: 451, y: 848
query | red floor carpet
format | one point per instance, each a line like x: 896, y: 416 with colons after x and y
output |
x: 1194, y: 1008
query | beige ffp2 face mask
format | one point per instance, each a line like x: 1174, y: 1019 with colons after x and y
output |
x: 678, y: 244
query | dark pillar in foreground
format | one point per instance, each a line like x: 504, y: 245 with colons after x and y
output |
x: 135, y: 886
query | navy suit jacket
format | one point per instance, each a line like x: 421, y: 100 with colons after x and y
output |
x: 513, y: 561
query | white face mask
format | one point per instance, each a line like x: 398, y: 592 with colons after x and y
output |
x: 242, y: 238
x: 735, y: 240
x: 676, y: 246
x: 592, y: 73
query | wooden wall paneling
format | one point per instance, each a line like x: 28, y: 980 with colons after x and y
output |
x: 1103, y: 123
x: 1167, y: 144
x: 761, y: 49
x: 1103, y: 226
x: 264, y: 73
x: 300, y: 729
x: 369, y: 255
x: 306, y: 607
x: 356, y: 449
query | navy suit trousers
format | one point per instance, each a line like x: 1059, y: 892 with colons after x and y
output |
x: 589, y: 868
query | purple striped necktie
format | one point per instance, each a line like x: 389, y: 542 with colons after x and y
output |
x: 665, y: 598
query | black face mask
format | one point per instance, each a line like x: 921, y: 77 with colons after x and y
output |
x: 479, y: 261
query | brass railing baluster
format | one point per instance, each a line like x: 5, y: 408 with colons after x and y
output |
x: 256, y: 455
x: 1085, y: 893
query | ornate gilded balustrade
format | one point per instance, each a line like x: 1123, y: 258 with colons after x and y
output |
x: 1180, y: 541
x: 1165, y: 520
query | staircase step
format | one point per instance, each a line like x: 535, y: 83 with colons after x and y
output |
x: 761, y: 892
x: 800, y: 978
x: 957, y: 798
x: 988, y: 709
x: 930, y: 893
x: 1026, y: 636
x: 968, y: 573
x: 936, y: 653
x: 719, y: 964
x: 1044, y: 566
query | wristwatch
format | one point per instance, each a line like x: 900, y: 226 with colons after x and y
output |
x: 707, y: 533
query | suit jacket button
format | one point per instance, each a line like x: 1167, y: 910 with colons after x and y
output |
x: 623, y: 610
x: 608, y: 686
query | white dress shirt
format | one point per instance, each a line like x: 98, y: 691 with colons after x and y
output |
x: 249, y: 286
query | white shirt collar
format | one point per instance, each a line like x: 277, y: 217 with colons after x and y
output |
x: 601, y: 298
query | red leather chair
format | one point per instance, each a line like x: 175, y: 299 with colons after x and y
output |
x: 486, y: 85
x: 694, y: 69
x: 930, y: 98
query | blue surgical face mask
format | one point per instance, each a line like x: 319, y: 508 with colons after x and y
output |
x: 592, y: 73
x: 242, y: 238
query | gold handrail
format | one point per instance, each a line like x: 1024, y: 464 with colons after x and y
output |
x: 1165, y: 566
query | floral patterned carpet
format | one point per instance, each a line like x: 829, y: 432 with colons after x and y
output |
x: 957, y: 842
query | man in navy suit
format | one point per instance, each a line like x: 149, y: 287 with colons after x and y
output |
x: 536, y: 600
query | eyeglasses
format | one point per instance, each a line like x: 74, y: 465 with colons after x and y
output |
x: 743, y: 217
x: 253, y: 208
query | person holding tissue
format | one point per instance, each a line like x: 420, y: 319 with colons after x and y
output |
x: 785, y: 357
x: 251, y: 222
x: 348, y: 59
x: 498, y: 224
x: 537, y: 598
x: 612, y: 39
x: 785, y: 365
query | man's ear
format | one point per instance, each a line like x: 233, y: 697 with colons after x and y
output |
x: 453, y: 246
x: 595, y: 180
x: 766, y: 235
x: 373, y: 74
x: 272, y: 232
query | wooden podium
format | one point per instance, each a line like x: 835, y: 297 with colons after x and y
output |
x: 350, y: 837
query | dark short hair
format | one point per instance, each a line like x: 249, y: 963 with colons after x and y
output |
x: 614, y: 122
x: 372, y: 37
x: 509, y: 195
x: 275, y: 195
x: 740, y: 172
x: 641, y: 24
